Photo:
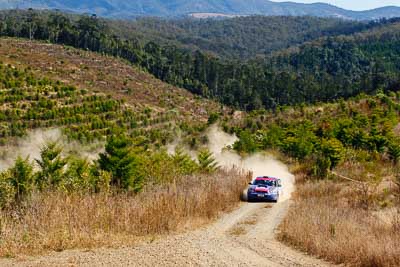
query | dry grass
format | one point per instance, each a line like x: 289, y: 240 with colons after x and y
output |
x: 250, y: 221
x: 56, y: 221
x: 237, y: 231
x: 328, y: 221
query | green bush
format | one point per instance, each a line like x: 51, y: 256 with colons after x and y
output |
x: 332, y: 150
x: 21, y: 177
x: 77, y: 177
x: 246, y: 142
x: 322, y: 166
x: 213, y: 118
x: 394, y: 152
x: 7, y: 190
x: 184, y: 162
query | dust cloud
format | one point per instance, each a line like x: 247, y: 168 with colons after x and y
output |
x: 30, y: 146
x: 259, y: 164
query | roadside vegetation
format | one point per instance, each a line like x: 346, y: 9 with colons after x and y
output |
x: 60, y: 200
x: 345, y: 156
x: 345, y: 223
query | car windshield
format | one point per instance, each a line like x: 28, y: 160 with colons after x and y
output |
x: 264, y: 182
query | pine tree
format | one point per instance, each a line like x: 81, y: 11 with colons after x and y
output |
x: 184, y: 162
x: 21, y: 177
x: 51, y: 165
x: 207, y: 162
x: 125, y: 166
x: 394, y: 152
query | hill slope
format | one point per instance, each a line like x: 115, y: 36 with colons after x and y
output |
x: 119, y: 8
x: 239, y: 38
x: 321, y: 70
x: 107, y: 94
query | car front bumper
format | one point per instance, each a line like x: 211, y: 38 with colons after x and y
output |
x: 262, y: 197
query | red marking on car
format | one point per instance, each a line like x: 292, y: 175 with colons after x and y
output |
x: 261, y: 189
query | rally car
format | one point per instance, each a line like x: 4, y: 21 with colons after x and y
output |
x: 264, y: 188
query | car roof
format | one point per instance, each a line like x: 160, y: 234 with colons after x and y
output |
x: 266, y: 178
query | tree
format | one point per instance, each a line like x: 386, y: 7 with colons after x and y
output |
x: 77, y: 176
x: 207, y: 162
x: 333, y: 150
x: 184, y: 162
x: 394, y: 152
x: 51, y: 165
x: 213, y: 118
x: 322, y: 166
x: 245, y: 143
x: 21, y: 177
x: 125, y: 166
x: 7, y: 190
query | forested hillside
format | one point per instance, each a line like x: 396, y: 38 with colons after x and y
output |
x: 321, y: 70
x: 238, y: 38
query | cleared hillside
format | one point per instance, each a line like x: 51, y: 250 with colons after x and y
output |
x: 104, y: 74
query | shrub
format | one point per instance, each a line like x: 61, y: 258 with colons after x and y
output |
x: 21, y: 177
x: 333, y: 150
x: 77, y: 176
x: 184, y: 162
x: 213, y: 118
x: 246, y: 142
x: 322, y: 166
x: 7, y: 191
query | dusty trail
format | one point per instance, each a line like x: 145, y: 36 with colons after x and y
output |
x: 244, y: 237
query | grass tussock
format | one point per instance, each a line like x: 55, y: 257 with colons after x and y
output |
x: 328, y: 220
x: 238, y: 231
x: 58, y: 221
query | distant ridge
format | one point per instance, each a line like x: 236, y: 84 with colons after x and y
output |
x: 179, y: 8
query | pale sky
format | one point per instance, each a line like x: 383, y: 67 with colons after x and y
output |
x: 352, y: 4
